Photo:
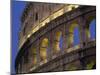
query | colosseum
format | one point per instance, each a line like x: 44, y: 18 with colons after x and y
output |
x: 56, y: 37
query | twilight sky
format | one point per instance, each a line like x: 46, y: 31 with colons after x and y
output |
x: 17, y: 9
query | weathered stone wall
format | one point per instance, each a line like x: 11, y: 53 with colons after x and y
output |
x: 69, y: 57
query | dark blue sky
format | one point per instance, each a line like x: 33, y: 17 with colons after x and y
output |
x: 17, y: 9
x: 93, y: 29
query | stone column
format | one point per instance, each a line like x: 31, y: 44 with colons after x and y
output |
x: 83, y: 35
x: 51, y: 44
x: 65, y: 37
x: 49, y: 56
x: 22, y: 64
x: 38, y: 52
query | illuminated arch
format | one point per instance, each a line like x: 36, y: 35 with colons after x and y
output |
x: 57, y: 45
x: 34, y: 55
x: 73, y: 34
x: 90, y: 28
x: 43, y: 49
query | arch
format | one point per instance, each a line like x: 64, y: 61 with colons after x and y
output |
x: 43, y: 49
x: 34, y: 55
x: 74, y: 37
x: 61, y: 42
x: 26, y: 57
x: 90, y: 27
x: 90, y: 18
x: 57, y: 45
x: 19, y: 69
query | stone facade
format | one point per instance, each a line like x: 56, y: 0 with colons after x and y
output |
x: 41, y: 51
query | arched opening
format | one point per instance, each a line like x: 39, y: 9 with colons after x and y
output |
x: 74, y: 38
x: 43, y: 49
x: 19, y: 68
x: 92, y: 29
x: 57, y: 42
x: 26, y: 57
x: 34, y: 56
x: 61, y: 42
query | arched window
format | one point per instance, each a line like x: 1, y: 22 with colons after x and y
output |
x: 92, y: 29
x: 43, y: 49
x: 34, y: 55
x: 61, y: 42
x: 57, y: 45
x: 76, y: 36
x: 36, y: 16
x: 26, y: 57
